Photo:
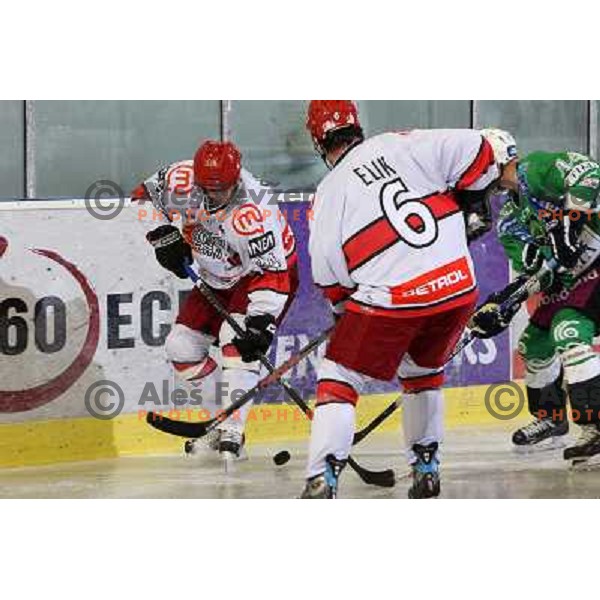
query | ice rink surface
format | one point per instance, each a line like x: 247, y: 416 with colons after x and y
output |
x: 477, y: 463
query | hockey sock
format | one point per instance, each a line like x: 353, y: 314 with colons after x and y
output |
x: 234, y: 383
x: 549, y: 401
x: 422, y: 420
x: 585, y: 401
x: 331, y: 433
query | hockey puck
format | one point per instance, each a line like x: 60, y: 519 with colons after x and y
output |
x: 281, y: 458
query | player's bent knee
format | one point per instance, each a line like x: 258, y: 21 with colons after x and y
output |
x: 333, y: 371
x: 540, y: 373
x: 415, y: 378
x: 233, y: 360
x: 186, y: 345
x: 573, y: 334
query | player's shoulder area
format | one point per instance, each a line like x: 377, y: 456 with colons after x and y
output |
x: 255, y: 191
x: 187, y: 164
x: 419, y: 143
x: 335, y: 181
x: 443, y: 133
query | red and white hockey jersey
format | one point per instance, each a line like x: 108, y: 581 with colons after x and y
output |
x: 387, y: 233
x: 248, y: 237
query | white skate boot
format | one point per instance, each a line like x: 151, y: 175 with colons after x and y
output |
x: 231, y: 447
x: 215, y: 443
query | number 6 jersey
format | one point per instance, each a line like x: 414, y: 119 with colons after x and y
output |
x: 387, y: 235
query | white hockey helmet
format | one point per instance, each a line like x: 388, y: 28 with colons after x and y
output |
x: 503, y: 144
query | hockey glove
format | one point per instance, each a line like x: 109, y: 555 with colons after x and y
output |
x: 172, y: 251
x: 532, y: 258
x: 476, y: 211
x: 260, y: 330
x: 566, y: 248
x: 492, y: 318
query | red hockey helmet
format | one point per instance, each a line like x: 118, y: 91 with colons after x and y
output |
x: 217, y: 166
x: 325, y: 116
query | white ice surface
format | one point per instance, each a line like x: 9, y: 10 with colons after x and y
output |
x: 477, y: 463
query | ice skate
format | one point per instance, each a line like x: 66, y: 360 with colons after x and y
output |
x: 425, y: 472
x: 208, y: 448
x: 324, y: 486
x: 541, y: 434
x: 207, y: 445
x: 231, y: 447
x: 585, y: 454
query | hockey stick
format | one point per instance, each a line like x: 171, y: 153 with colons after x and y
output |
x: 528, y: 288
x: 359, y: 436
x: 385, y: 478
x: 380, y: 478
x: 522, y: 293
x: 200, y: 429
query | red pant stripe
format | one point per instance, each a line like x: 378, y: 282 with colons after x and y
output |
x: 426, y: 382
x: 335, y: 391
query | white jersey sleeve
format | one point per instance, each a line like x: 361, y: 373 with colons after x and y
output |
x: 170, y: 187
x: 463, y: 156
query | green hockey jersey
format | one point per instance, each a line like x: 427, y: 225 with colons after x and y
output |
x: 552, y: 184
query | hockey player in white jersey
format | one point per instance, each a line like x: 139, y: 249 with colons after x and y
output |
x: 245, y: 252
x: 388, y: 247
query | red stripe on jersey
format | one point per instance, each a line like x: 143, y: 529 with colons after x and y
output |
x: 330, y: 391
x: 425, y: 382
x: 469, y: 297
x: 380, y: 235
x: 483, y: 161
x: 276, y: 281
x: 336, y: 293
x: 369, y: 242
x: 441, y: 205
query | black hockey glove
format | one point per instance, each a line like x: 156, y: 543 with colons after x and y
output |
x: 260, y: 330
x: 477, y: 213
x: 532, y: 258
x: 172, y: 251
x: 566, y: 248
x: 491, y: 318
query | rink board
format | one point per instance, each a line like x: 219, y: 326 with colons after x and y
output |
x: 82, y: 301
x: 67, y: 440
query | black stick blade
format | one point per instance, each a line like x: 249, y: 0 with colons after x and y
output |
x: 180, y: 428
x: 385, y: 478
